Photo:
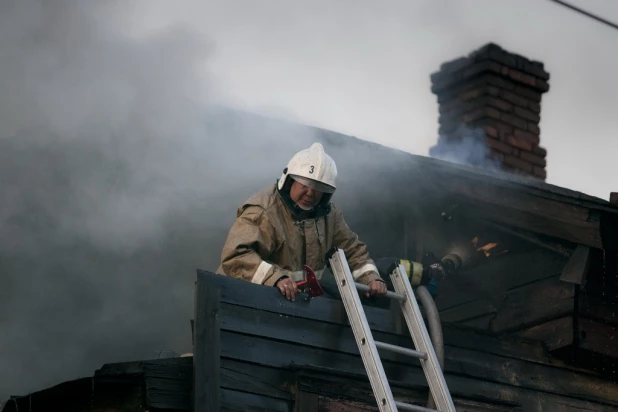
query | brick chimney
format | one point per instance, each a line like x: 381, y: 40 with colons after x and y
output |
x: 492, y: 98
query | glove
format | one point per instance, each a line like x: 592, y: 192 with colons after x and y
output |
x: 434, y: 268
x: 435, y: 271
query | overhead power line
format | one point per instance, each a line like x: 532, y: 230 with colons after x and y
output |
x: 585, y: 13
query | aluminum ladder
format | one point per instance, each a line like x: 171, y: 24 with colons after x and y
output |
x: 368, y: 347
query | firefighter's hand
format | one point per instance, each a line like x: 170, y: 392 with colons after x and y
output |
x: 378, y: 288
x: 288, y: 288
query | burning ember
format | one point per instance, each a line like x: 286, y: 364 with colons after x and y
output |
x: 487, y: 249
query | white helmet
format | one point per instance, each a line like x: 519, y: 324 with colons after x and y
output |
x: 312, y: 167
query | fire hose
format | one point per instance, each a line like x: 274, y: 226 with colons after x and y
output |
x: 435, y: 329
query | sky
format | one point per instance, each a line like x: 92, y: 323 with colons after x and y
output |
x: 115, y: 187
x: 363, y: 67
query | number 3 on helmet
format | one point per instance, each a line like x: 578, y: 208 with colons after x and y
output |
x: 311, y: 167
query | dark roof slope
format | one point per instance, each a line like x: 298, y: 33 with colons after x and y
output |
x: 509, y: 199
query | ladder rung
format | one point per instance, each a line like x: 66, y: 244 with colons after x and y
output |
x: 408, y: 407
x: 402, y: 350
x: 389, y: 294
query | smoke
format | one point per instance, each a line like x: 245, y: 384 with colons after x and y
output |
x: 466, y: 146
x: 120, y: 176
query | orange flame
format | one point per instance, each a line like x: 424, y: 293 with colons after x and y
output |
x: 486, y: 249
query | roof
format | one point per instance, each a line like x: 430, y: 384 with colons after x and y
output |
x: 509, y: 199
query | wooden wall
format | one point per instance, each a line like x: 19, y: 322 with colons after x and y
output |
x: 271, y: 351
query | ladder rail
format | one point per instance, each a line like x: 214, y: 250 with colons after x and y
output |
x: 362, y: 333
x: 368, y: 346
x: 422, y: 342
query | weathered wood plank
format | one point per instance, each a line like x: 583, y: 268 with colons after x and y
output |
x: 282, y: 354
x: 306, y: 401
x: 206, y: 354
x: 467, y: 310
x: 327, y: 404
x: 169, y: 383
x: 468, y: 394
x: 554, y: 334
x: 493, y: 279
x: 595, y: 308
x: 78, y: 396
x: 261, y: 380
x: 534, y: 303
x: 598, y: 336
x: 480, y: 322
x: 572, y: 227
x: 332, y: 311
x: 577, y: 267
x: 235, y: 401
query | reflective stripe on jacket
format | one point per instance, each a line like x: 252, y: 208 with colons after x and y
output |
x: 266, y: 242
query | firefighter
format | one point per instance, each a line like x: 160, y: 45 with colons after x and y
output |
x: 292, y: 223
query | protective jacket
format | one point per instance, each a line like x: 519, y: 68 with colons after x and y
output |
x: 271, y: 239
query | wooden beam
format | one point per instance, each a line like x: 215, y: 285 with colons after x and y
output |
x: 168, y: 384
x: 206, y: 353
x: 577, y: 266
x: 232, y: 400
x: 576, y: 231
x: 245, y: 294
x: 488, y: 282
x: 467, y: 310
x: 598, y: 337
x: 468, y: 395
x: 555, y: 334
x: 278, y: 341
x: 534, y: 303
x: 536, y: 239
x: 306, y: 401
x: 575, y: 223
x: 596, y: 308
x: 258, y: 379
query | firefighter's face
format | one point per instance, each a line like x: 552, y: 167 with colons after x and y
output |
x: 304, y: 196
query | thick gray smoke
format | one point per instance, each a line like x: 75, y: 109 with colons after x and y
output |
x: 466, y: 146
x: 119, y: 178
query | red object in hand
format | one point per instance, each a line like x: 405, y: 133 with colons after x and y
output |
x: 313, y: 286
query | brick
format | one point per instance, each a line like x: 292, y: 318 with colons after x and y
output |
x: 516, y: 152
x: 542, y: 85
x: 539, y: 151
x: 441, y: 82
x: 493, y: 91
x: 492, y: 112
x: 536, y: 70
x: 613, y: 198
x: 500, y: 104
x: 455, y: 65
x: 540, y: 172
x: 470, y: 94
x: 534, y: 128
x: 514, y: 98
x: 534, y: 106
x: 519, y: 143
x: 502, y: 128
x: 491, y: 131
x: 533, y: 158
x: 528, y: 115
x: 518, y: 163
x: 526, y: 136
x: 529, y: 93
x: 500, y: 82
x: 499, y: 146
x: 515, y: 121
x: 480, y: 67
